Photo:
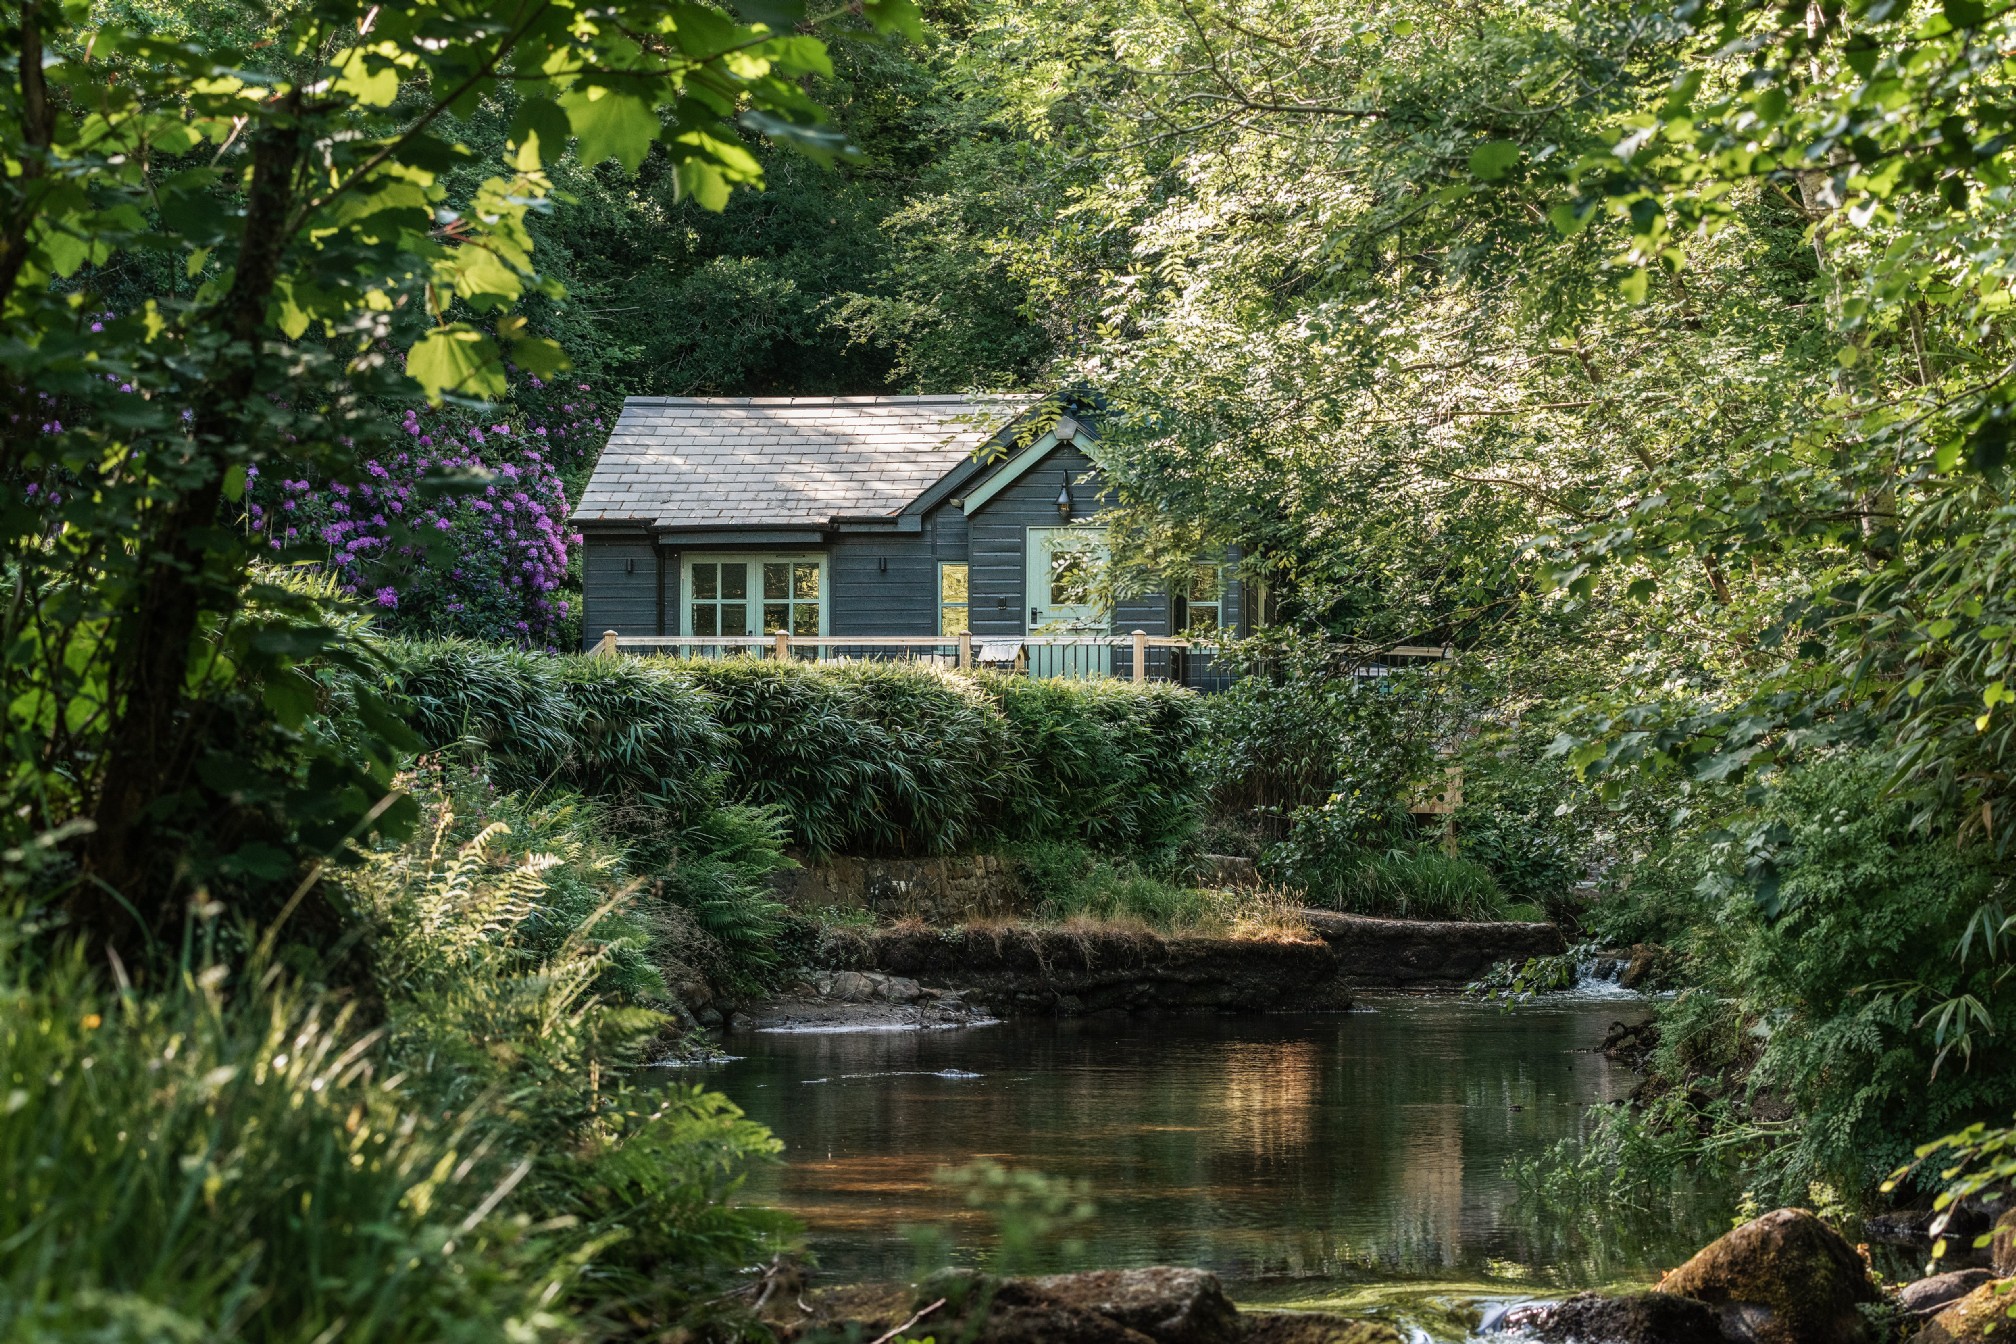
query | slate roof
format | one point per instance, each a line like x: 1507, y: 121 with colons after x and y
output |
x: 782, y: 461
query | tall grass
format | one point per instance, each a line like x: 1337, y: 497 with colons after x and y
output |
x: 1109, y: 763
x: 225, y: 1161
x: 1423, y: 884
x: 235, y: 1156
x: 864, y: 758
x: 852, y: 758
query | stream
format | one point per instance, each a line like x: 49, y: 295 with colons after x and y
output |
x: 1357, y: 1160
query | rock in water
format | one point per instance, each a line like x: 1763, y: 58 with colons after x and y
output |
x: 1981, y: 1317
x: 1133, y: 1306
x: 1170, y: 1306
x: 1784, y: 1278
x: 1935, y: 1293
x: 1313, y: 1327
x: 1632, y: 1318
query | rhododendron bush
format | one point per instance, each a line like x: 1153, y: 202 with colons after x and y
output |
x: 487, y: 558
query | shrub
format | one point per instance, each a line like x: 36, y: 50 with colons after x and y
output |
x: 1290, y: 733
x: 161, y: 1152
x: 1424, y: 884
x: 488, y: 560
x: 236, y: 1156
x: 1068, y: 881
x: 1518, y: 819
x: 864, y: 758
x: 849, y: 758
x: 538, y: 1064
x: 622, y: 729
x: 1109, y: 763
x: 1835, y: 1010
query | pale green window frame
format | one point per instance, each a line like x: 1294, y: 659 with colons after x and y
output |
x: 753, y: 594
x: 1201, y: 604
x: 955, y: 598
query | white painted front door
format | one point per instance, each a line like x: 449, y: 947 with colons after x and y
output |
x: 1062, y: 565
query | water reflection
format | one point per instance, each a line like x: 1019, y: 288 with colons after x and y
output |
x: 1280, y: 1148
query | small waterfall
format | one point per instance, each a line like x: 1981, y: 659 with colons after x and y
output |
x: 1598, y: 976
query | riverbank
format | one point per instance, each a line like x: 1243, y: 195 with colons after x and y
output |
x: 911, y: 974
x: 1786, y: 1277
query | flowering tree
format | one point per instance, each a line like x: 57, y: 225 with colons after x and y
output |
x: 488, y: 560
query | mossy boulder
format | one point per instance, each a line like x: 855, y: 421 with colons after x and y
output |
x: 1626, y: 1318
x: 1312, y: 1327
x: 1784, y: 1278
x: 2002, y: 1244
x: 1133, y: 1306
x: 1931, y: 1295
x: 1981, y: 1317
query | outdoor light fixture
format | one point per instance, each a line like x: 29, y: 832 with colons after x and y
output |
x: 1064, y: 498
x: 883, y: 564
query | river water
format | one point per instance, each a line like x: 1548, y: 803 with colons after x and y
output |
x: 1327, y: 1157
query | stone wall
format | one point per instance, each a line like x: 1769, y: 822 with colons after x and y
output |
x: 1404, y: 953
x: 938, y: 891
x: 1027, y: 971
x: 1023, y: 971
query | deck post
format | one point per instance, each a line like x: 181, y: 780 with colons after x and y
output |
x: 1140, y: 656
x: 607, y: 648
x: 965, y: 650
x: 782, y: 646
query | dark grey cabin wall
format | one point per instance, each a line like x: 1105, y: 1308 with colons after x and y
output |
x: 997, y: 540
x: 883, y: 584
x: 619, y: 587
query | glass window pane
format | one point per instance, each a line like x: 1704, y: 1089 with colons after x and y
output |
x: 776, y: 616
x: 952, y: 618
x: 703, y: 619
x: 1204, y: 583
x: 734, y: 618
x: 952, y: 583
x: 704, y: 579
x: 805, y: 618
x: 805, y: 582
x: 1204, y: 618
x: 735, y: 581
x: 776, y: 580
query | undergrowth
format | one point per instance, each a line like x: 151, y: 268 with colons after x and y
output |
x: 462, y: 1153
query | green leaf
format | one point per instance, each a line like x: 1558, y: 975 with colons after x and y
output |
x: 901, y: 17
x: 482, y: 278
x: 456, y: 359
x: 611, y: 125
x: 1489, y: 162
x: 539, y: 131
x: 64, y: 251
x: 373, y: 88
x: 539, y: 356
x: 1634, y: 285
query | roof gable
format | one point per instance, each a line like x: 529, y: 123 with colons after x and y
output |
x: 1020, y: 464
x: 687, y: 462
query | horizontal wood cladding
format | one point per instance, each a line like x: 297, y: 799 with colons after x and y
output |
x: 882, y: 585
x: 998, y: 540
x: 619, y: 587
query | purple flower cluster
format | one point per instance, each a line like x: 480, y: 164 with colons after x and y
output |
x: 486, y: 560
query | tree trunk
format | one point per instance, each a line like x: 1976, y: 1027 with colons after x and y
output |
x: 150, y: 747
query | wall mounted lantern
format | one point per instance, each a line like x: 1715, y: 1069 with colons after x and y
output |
x: 1064, y: 498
